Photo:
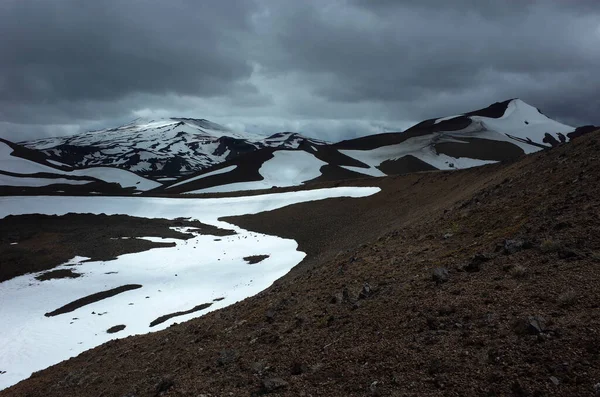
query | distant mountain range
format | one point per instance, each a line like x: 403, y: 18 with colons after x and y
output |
x: 167, y: 148
x: 182, y: 155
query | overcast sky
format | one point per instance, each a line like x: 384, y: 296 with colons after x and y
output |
x: 327, y: 68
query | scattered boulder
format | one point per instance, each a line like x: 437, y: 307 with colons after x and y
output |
x: 373, y: 390
x: 337, y: 298
x: 532, y: 325
x: 365, y: 292
x: 227, y: 357
x: 164, y: 385
x: 475, y: 263
x: 270, y: 316
x: 515, y: 245
x: 271, y: 385
x: 440, y: 275
x: 555, y: 380
x: 346, y: 294
x: 259, y: 367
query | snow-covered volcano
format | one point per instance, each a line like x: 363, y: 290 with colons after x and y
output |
x: 499, y: 132
x: 167, y: 148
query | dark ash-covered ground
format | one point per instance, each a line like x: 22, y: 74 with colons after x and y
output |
x: 480, y: 282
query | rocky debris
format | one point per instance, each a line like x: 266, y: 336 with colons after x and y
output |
x: 447, y: 236
x: 518, y: 271
x: 228, y: 356
x: 440, y: 275
x: 475, y: 263
x: 270, y: 316
x: 532, y: 325
x: 567, y: 299
x: 373, y: 389
x: 597, y: 389
x: 337, y: 298
x: 365, y: 292
x: 346, y: 294
x: 271, y: 385
x: 555, y: 380
x: 259, y: 367
x: 164, y: 385
x: 515, y: 245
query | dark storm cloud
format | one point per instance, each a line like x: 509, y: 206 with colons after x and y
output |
x: 413, y: 51
x: 319, y: 65
x: 70, y: 50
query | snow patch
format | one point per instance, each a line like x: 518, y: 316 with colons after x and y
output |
x: 286, y: 168
x: 420, y: 147
x: 445, y: 118
x: 58, y: 163
x: 372, y: 171
x: 524, y: 121
x: 173, y: 279
x: 7, y: 180
x: 216, y: 172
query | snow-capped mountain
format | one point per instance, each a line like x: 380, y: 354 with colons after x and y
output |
x: 23, y: 169
x: 499, y: 132
x: 198, y: 156
x: 166, y: 148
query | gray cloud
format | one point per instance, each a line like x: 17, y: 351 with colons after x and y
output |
x: 333, y: 68
x: 68, y: 50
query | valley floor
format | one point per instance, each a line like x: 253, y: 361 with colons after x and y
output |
x: 474, y: 282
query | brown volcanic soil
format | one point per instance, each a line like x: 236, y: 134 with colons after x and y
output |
x: 46, y: 241
x: 504, y: 318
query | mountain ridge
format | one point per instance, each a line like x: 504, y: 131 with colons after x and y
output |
x: 188, y: 155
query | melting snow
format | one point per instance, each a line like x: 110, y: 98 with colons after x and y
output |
x: 367, y: 171
x: 216, y: 172
x: 445, y: 118
x: 195, y: 271
x: 58, y: 163
x: 286, y: 168
x: 419, y: 147
x: 523, y: 121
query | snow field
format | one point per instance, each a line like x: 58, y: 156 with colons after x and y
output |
x: 193, y: 272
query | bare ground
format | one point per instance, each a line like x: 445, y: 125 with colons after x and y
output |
x: 480, y: 282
